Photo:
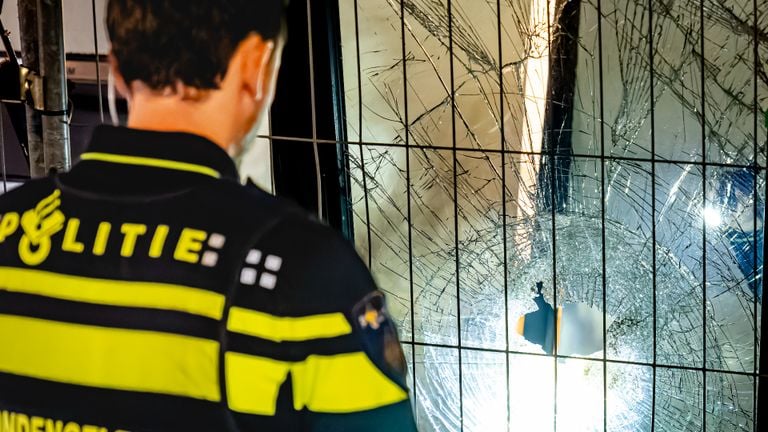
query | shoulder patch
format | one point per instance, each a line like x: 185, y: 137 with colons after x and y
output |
x: 379, y: 336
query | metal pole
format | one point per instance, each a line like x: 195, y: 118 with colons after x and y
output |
x: 30, y: 58
x: 53, y: 69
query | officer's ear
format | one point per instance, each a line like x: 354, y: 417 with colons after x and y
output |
x: 260, y: 61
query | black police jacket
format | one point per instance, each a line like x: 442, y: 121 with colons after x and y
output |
x: 147, y: 290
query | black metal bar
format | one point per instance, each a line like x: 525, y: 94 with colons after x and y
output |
x: 595, y: 359
x: 652, y: 83
x: 407, y: 140
x: 755, y: 340
x: 456, y: 214
x: 11, y: 55
x: 505, y: 272
x: 548, y: 175
x: 703, y: 222
x: 522, y: 152
x: 762, y: 401
x: 333, y: 43
x: 363, y: 170
x: 603, y: 255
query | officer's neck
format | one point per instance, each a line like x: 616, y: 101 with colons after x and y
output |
x: 201, y: 114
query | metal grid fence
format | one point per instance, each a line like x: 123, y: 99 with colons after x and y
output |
x: 657, y: 129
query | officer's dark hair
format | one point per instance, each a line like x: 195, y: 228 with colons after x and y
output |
x: 162, y: 42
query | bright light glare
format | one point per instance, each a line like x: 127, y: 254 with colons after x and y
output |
x: 579, y: 396
x: 712, y: 217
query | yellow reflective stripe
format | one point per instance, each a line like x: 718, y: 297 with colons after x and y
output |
x: 343, y: 383
x: 117, y: 359
x: 253, y: 383
x: 151, y: 162
x: 112, y: 292
x: 290, y: 329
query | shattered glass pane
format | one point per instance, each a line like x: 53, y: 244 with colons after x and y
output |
x: 730, y: 402
x: 524, y: 53
x: 677, y: 80
x: 428, y: 71
x: 729, y: 82
x: 587, y: 133
x: 628, y: 400
x: 679, y: 265
x: 387, y: 222
x: 476, y: 73
x: 484, y: 393
x: 359, y: 191
x: 579, y: 395
x: 437, y: 380
x: 434, y: 252
x: 626, y: 77
x: 351, y: 71
x: 532, y: 137
x: 578, y: 240
x: 629, y: 260
x: 530, y: 255
x: 531, y: 393
x: 679, y: 400
x: 481, y: 249
x: 734, y: 228
x: 408, y: 352
x: 381, y: 75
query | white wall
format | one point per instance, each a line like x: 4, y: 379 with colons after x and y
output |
x: 78, y: 25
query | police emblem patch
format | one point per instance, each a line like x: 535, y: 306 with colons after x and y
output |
x: 379, y: 336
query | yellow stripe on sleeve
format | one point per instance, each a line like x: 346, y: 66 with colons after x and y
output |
x: 113, y: 292
x: 287, y: 329
x: 343, y: 383
x: 117, y: 359
x: 253, y: 383
x: 336, y: 384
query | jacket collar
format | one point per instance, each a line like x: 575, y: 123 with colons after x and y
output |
x: 171, y: 151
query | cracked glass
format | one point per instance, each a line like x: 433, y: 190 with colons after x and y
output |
x: 564, y: 202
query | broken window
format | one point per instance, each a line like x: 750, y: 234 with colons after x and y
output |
x: 558, y: 196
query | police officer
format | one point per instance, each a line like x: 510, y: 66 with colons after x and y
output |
x: 148, y: 290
